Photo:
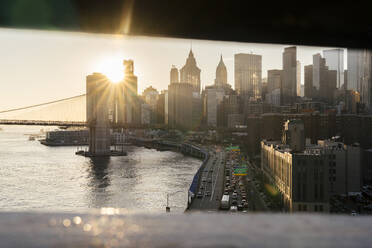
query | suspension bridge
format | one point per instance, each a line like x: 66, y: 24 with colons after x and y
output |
x: 63, y: 112
x: 68, y: 112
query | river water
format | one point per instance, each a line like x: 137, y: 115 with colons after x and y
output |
x: 37, y: 177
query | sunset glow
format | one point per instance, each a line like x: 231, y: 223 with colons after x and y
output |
x: 112, y: 68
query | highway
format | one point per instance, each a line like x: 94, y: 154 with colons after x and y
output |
x: 211, y: 183
x: 256, y: 202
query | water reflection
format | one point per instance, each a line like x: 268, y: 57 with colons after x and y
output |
x: 34, y: 176
x: 99, y: 180
x: 99, y: 172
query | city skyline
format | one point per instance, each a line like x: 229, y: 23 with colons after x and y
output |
x: 64, y: 59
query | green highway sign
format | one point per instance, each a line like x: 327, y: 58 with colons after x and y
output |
x: 233, y: 148
x: 240, y: 171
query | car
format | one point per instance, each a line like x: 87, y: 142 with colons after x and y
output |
x: 226, y: 192
x: 209, y: 180
x: 245, y: 205
x: 233, y: 209
x: 199, y: 195
x: 234, y: 203
x: 243, y: 201
x: 240, y: 207
x: 353, y: 213
x: 234, y: 195
x: 202, y: 186
x: 207, y: 193
x: 204, y: 179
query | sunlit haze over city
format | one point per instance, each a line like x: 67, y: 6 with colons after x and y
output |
x: 53, y: 65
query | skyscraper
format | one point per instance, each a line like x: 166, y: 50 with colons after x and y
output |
x: 221, y: 74
x: 130, y: 94
x: 289, y: 83
x: 308, y: 76
x: 180, y: 104
x: 125, y: 104
x: 174, y: 78
x: 274, y: 82
x: 335, y: 61
x: 190, y: 73
x: 248, y: 74
x: 324, y: 80
x: 354, y: 69
x: 298, y: 78
x: 366, y: 80
x: 318, y: 65
x: 150, y: 97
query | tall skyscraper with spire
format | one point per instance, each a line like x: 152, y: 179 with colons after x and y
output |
x: 190, y: 73
x: 221, y: 74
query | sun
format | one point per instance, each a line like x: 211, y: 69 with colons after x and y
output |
x: 112, y: 68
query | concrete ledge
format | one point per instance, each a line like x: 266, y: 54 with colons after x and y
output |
x: 119, y: 228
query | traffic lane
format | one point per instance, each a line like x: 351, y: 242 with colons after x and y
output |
x: 219, y: 179
x: 202, y: 203
x: 197, y: 202
x: 208, y: 202
x: 257, y: 201
x: 213, y: 176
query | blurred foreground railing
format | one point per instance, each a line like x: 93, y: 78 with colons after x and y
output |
x: 111, y: 228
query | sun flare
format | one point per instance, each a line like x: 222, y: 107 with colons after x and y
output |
x: 113, y: 69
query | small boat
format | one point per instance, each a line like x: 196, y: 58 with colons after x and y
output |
x: 31, y: 138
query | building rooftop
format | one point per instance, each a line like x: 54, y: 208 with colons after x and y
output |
x: 310, y: 149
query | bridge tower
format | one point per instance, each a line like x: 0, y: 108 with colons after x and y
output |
x: 99, y: 112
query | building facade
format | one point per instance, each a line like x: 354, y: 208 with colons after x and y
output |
x: 248, y: 75
x: 190, y: 73
x: 335, y: 61
x: 150, y: 96
x: 307, y: 175
x: 274, y: 82
x: 180, y: 104
x: 174, y: 76
x: 355, y: 69
x: 214, y: 96
x: 289, y: 79
x: 221, y: 74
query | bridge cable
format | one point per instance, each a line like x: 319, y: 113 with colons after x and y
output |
x: 40, y: 104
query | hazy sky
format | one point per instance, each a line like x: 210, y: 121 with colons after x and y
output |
x: 41, y: 66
